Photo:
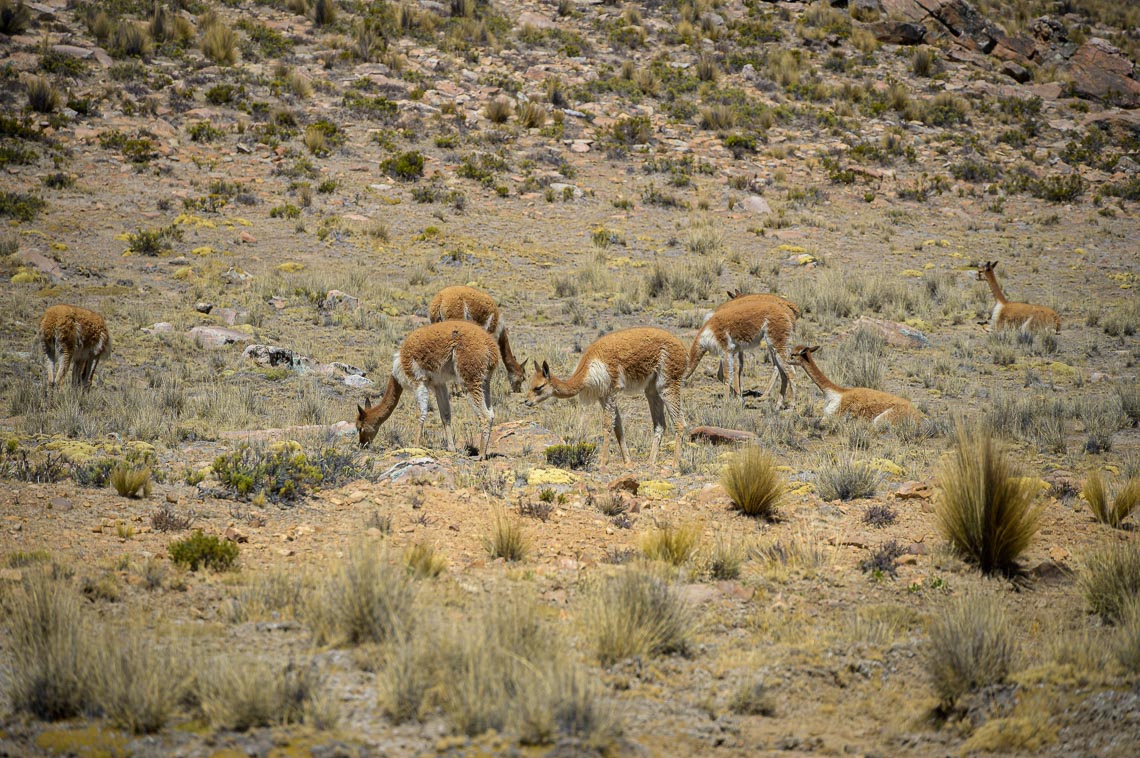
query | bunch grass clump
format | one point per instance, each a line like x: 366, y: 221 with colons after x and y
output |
x: 753, y: 483
x: 507, y: 540
x: 244, y: 693
x: 972, y: 645
x: 985, y: 508
x: 131, y: 481
x: 365, y: 599
x: 636, y: 613
x: 670, y: 544
x: 43, y: 97
x: 137, y: 682
x: 845, y: 478
x: 574, y: 456
x: 49, y: 646
x: 1111, y: 579
x: 423, y: 562
x: 219, y: 44
x: 1111, y: 508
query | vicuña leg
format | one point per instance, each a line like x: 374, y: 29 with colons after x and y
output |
x: 673, y: 408
x: 443, y: 401
x: 422, y: 393
x: 479, y: 401
x: 657, y: 414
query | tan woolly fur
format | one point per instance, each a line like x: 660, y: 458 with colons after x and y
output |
x: 469, y: 304
x: 877, y: 407
x: 745, y: 322
x: 75, y: 338
x: 429, y: 358
x: 1020, y: 316
x: 639, y: 360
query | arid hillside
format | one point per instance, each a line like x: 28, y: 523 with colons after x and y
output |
x: 910, y: 228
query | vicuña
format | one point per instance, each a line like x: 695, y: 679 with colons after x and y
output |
x: 470, y: 304
x: 74, y: 338
x: 429, y: 358
x: 1009, y: 315
x: 639, y: 360
x: 873, y: 405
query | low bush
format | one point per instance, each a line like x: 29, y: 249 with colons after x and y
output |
x: 753, y: 483
x: 972, y: 645
x: 201, y: 549
x: 283, y: 472
x: 575, y: 457
x: 846, y: 479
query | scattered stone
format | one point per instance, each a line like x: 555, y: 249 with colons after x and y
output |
x: 561, y: 188
x: 272, y: 355
x: 216, y: 336
x: 756, y: 204
x: 246, y: 238
x: 60, y: 504
x: 896, y: 334
x: 627, y: 483
x: 233, y: 535
x: 513, y: 437
x: 232, y: 316
x: 43, y: 264
x: 161, y: 327
x: 235, y: 276
x: 203, y: 306
x: 418, y: 469
x: 172, y: 498
x: 1016, y: 72
x: 898, y: 32
x: 277, y: 302
x: 1058, y: 554
x: 914, y: 491
x: 1050, y: 571
x: 335, y: 300
x: 715, y: 435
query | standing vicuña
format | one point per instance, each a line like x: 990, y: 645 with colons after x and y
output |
x: 74, y: 338
x: 430, y: 357
x: 1007, y: 315
x: 861, y: 402
x: 470, y: 304
x: 641, y: 359
x: 743, y: 323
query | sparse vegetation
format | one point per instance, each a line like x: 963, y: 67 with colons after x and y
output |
x: 636, y: 613
x: 972, y: 645
x: 1112, y: 509
x: 1111, y: 579
x: 201, y: 549
x: 752, y: 483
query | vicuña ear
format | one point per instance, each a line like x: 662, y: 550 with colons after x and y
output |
x: 360, y: 412
x: 993, y: 264
x: 813, y: 348
x: 545, y: 370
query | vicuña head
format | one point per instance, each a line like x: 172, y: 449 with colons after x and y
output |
x: 73, y: 338
x: 639, y: 360
x: 464, y: 303
x: 429, y: 358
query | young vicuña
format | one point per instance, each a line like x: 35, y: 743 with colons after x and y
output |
x: 74, y: 338
x: 642, y: 359
x: 469, y: 304
x: 429, y: 358
x: 873, y: 405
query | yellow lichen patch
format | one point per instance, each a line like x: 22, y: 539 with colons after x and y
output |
x: 928, y: 265
x: 786, y: 248
x: 805, y: 259
x: 137, y: 450
x: 283, y: 446
x: 414, y: 452
x: 25, y: 276
x: 911, y: 272
x: 59, y: 247
x: 887, y: 466
x: 241, y: 221
x: 88, y: 742
x: 1079, y: 250
x: 203, y: 250
x: 291, y: 267
x: 550, y: 476
x: 189, y: 219
x: 919, y: 324
x: 1058, y: 369
x: 805, y: 488
x: 657, y: 489
x: 1126, y: 279
x: 184, y: 272
x: 123, y: 236
x: 73, y: 450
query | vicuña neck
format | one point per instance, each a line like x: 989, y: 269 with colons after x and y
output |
x: 817, y: 376
x: 509, y: 359
x: 998, y: 294
x: 379, y: 413
x: 573, y: 384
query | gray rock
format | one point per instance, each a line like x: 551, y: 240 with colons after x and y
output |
x: 1016, y: 72
x: 335, y: 300
x: 272, y: 355
x: 757, y: 205
x: 216, y: 336
x: 897, y: 335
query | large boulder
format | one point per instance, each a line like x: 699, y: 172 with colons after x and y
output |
x: 272, y: 355
x: 1102, y: 72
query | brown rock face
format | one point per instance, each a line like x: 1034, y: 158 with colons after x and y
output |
x: 1101, y: 72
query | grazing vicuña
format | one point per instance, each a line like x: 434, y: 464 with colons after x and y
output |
x: 74, y: 338
x: 469, y: 304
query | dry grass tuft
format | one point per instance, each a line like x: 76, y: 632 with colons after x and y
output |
x: 131, y: 481
x: 136, y: 682
x: 407, y: 676
x: 846, y: 478
x: 985, y: 507
x: 365, y: 598
x: 1111, y: 579
x: 674, y: 545
x: 753, y: 483
x: 243, y: 693
x: 219, y: 44
x: 49, y: 646
x: 1111, y: 509
x: 42, y: 96
x: 971, y: 646
x: 498, y: 110
x: 507, y: 540
x: 636, y: 613
x: 1126, y: 644
x: 423, y: 562
x: 532, y: 115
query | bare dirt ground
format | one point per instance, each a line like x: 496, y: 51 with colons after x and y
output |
x: 577, y: 230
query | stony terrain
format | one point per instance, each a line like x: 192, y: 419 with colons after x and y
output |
x: 261, y: 231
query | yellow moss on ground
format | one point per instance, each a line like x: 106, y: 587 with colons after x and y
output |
x: 887, y: 466
x: 1017, y: 734
x: 657, y: 489
x: 550, y: 476
x: 73, y: 450
x: 89, y: 742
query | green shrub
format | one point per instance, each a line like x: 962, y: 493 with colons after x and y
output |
x: 407, y: 166
x: 137, y: 149
x: 14, y: 17
x: 204, y: 131
x: 153, y: 241
x: 204, y: 550
x: 1058, y: 188
x: 752, y: 483
x: 221, y: 94
x: 636, y: 614
x: 984, y: 506
x: 574, y: 457
x: 972, y: 645
x: 283, y: 472
x: 20, y: 206
x: 1111, y: 579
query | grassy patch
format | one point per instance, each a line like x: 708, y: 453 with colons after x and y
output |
x: 636, y: 613
x: 752, y: 483
x: 365, y: 598
x: 972, y: 645
x: 1111, y: 579
x: 201, y: 549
